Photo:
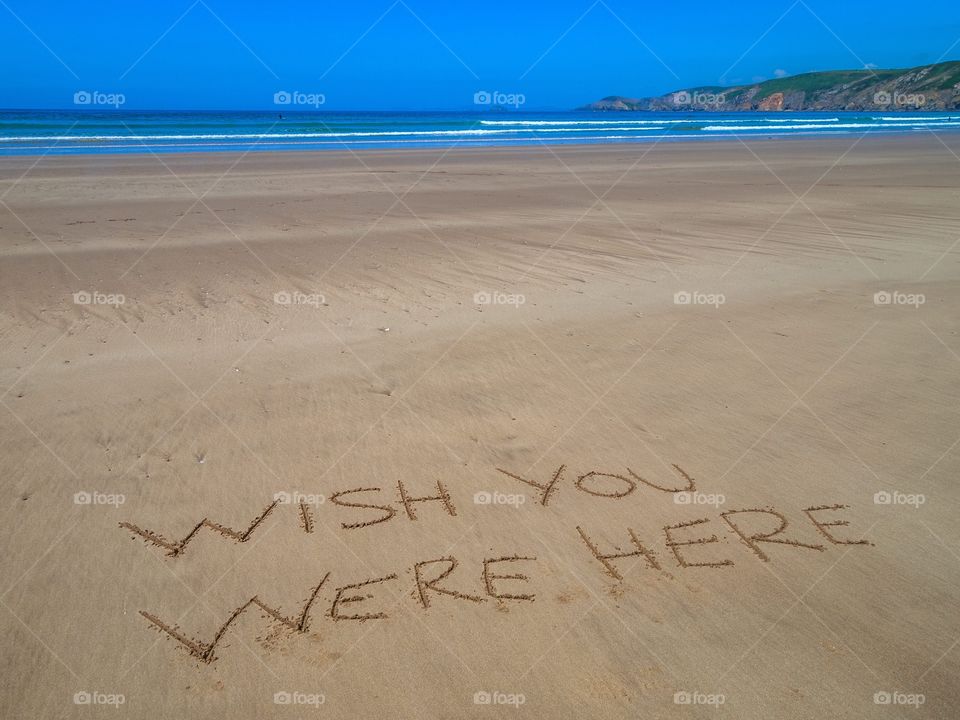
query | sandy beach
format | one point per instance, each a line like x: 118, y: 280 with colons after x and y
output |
x: 359, y: 435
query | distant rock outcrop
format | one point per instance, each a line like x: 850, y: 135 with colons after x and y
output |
x: 929, y: 87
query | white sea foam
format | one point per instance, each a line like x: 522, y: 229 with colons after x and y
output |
x: 498, y: 132
x: 805, y: 126
x: 625, y: 121
x: 477, y: 142
x: 571, y: 123
x: 914, y: 119
x: 299, y: 136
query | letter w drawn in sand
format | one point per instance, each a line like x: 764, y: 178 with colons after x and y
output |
x: 205, y: 651
x: 176, y: 548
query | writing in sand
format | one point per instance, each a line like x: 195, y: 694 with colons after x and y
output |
x: 511, y: 577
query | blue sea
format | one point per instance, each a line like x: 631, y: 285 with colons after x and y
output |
x: 123, y: 131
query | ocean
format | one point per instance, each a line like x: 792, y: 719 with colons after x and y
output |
x: 25, y: 132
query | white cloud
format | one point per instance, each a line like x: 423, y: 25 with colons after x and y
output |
x: 779, y: 73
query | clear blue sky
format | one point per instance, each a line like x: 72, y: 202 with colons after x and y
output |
x: 432, y: 54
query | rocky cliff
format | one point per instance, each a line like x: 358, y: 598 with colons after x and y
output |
x: 929, y: 87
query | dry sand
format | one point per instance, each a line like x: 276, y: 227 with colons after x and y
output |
x: 202, y: 397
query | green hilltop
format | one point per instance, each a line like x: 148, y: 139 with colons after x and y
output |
x: 927, y: 87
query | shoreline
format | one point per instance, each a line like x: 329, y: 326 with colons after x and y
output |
x: 120, y: 132
x: 816, y: 140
